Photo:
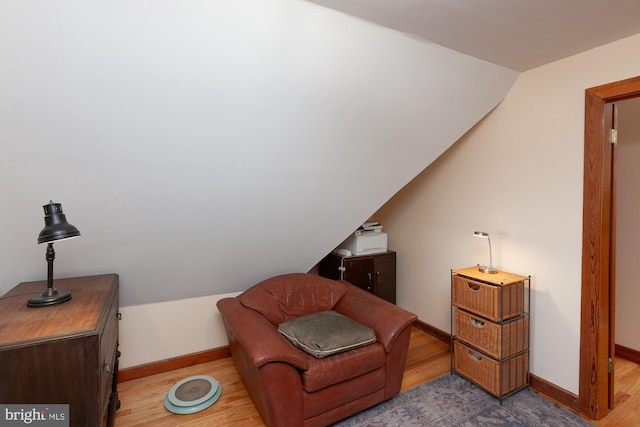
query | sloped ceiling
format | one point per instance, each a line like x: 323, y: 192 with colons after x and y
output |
x: 515, y: 34
x: 203, y: 146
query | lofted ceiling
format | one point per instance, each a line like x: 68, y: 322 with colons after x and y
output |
x: 201, y: 146
x: 517, y: 34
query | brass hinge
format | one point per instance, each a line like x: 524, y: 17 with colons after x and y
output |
x: 613, y: 136
x: 610, y: 365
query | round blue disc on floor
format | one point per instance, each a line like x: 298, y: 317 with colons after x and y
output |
x: 192, y: 394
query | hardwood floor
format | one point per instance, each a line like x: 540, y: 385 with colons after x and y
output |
x: 142, y: 399
x: 626, y: 412
x: 428, y: 358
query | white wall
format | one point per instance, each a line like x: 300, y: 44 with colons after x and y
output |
x: 201, y: 146
x: 519, y: 176
x: 158, y: 331
x: 627, y: 230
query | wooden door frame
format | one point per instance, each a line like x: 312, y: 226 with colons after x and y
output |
x: 597, y: 247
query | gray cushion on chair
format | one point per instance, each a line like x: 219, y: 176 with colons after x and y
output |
x: 325, y: 333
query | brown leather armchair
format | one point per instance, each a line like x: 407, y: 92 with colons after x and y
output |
x: 292, y: 388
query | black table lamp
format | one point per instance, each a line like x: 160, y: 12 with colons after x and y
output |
x: 56, y: 228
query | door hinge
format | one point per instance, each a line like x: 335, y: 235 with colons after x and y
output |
x: 613, y: 136
x: 610, y: 365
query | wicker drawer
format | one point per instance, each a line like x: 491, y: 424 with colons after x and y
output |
x: 494, y: 302
x: 488, y: 373
x: 498, y: 340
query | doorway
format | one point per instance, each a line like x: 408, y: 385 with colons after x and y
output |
x: 598, y: 248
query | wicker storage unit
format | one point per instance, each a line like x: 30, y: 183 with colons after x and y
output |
x: 499, y: 341
x: 490, y: 329
x: 488, y: 300
x: 487, y: 372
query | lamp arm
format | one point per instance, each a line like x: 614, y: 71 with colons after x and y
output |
x: 50, y: 256
x: 490, y: 253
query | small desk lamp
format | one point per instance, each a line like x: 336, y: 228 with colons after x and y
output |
x: 490, y: 269
x: 56, y: 228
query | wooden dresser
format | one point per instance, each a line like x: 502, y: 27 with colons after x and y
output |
x: 62, y: 354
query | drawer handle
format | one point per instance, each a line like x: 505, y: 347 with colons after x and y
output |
x: 107, y: 368
x: 473, y: 287
x: 474, y: 356
x: 477, y: 323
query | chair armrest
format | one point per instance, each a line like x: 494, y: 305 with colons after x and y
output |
x: 385, y: 318
x: 257, y: 336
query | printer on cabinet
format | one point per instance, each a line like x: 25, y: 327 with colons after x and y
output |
x: 366, y: 242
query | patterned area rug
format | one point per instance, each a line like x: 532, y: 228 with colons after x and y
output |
x: 453, y: 401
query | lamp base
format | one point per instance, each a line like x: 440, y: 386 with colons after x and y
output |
x: 487, y: 270
x: 49, y: 297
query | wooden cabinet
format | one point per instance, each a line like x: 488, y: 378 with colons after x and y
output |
x: 62, y: 354
x: 490, y: 329
x: 375, y: 273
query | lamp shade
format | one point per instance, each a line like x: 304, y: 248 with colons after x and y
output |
x: 56, y: 226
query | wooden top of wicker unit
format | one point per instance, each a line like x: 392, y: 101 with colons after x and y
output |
x: 499, y: 278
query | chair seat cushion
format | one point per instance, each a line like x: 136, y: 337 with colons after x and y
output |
x: 326, y: 333
x: 343, y: 367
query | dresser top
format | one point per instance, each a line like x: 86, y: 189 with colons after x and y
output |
x: 83, y: 314
x: 499, y: 278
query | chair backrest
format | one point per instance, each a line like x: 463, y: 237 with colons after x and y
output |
x: 285, y: 297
